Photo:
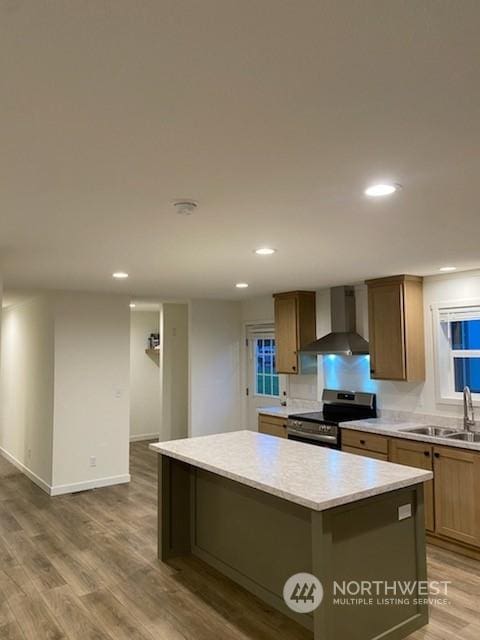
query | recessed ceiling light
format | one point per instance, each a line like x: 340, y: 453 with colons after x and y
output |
x: 120, y: 275
x: 264, y: 251
x: 378, y: 190
x: 132, y: 305
x: 241, y: 285
x: 448, y: 269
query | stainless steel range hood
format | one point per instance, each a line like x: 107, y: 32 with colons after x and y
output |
x: 343, y: 340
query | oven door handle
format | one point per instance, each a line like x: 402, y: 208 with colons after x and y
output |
x: 318, y: 437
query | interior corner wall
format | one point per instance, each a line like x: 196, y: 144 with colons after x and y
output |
x: 174, y: 362
x: 92, y: 379
x: 214, y: 366
x: 26, y: 387
x: 145, y: 390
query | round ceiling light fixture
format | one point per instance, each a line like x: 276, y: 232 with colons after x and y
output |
x: 265, y: 251
x: 382, y: 189
x: 241, y: 285
x: 448, y: 269
x: 132, y: 305
x: 120, y: 275
x: 185, y: 207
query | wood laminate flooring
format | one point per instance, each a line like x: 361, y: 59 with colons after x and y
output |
x: 84, y: 567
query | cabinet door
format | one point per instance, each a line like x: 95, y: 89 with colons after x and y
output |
x: 386, y: 328
x: 286, y: 334
x: 365, y: 453
x: 272, y: 426
x: 419, y: 455
x: 457, y: 490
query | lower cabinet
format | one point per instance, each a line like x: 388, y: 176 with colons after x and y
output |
x: 419, y: 455
x: 368, y: 445
x: 272, y: 426
x: 452, y: 498
x: 457, y: 494
x: 365, y: 453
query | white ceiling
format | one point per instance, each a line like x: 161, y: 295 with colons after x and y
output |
x: 273, y: 114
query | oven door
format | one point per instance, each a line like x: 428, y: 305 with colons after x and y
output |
x: 320, y: 440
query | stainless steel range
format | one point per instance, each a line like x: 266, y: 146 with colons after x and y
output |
x: 321, y: 427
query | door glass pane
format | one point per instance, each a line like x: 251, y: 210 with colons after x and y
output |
x: 266, y: 377
x: 275, y: 391
x: 268, y: 385
x: 260, y: 384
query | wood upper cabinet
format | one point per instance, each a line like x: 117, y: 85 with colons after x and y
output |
x: 419, y: 455
x: 295, y: 327
x: 396, y: 331
x: 457, y: 494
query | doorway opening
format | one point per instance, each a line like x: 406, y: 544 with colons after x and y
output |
x: 158, y: 371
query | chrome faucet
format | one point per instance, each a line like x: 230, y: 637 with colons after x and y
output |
x: 468, y: 413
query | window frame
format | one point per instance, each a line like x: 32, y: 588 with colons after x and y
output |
x: 444, y: 355
x: 255, y: 339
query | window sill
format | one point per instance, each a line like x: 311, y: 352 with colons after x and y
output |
x: 458, y: 400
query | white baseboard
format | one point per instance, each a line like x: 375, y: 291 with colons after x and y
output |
x: 28, y: 472
x: 144, y: 436
x: 61, y: 489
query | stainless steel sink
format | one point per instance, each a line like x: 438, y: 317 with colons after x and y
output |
x: 466, y: 436
x: 433, y: 431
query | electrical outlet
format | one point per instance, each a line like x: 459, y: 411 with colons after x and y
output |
x: 404, y: 511
x: 93, y: 461
x: 29, y: 453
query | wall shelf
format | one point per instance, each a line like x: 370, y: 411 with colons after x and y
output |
x: 154, y: 354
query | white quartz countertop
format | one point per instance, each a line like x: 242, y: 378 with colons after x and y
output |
x: 278, y: 412
x: 400, y: 429
x: 314, y: 477
x: 284, y: 412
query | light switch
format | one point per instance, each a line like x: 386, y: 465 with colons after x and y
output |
x: 404, y: 511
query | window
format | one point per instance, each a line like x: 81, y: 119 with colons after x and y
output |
x: 266, y: 376
x: 458, y: 349
x: 465, y: 339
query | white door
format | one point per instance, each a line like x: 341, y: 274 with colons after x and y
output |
x: 265, y: 388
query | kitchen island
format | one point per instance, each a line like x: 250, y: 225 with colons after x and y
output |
x: 261, y: 509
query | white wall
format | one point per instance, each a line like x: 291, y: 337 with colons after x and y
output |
x: 92, y: 377
x: 261, y: 309
x: 214, y: 366
x: 145, y: 391
x: 343, y: 372
x: 353, y: 372
x: 257, y: 310
x: 174, y: 423
x: 26, y: 387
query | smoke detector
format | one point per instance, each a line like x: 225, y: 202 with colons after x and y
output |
x: 185, y: 207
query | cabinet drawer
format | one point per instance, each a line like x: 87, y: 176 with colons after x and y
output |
x: 272, y: 426
x: 366, y: 453
x: 367, y: 441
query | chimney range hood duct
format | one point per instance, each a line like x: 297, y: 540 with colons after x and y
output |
x: 343, y: 340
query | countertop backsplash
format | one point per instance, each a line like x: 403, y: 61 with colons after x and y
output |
x: 304, y: 405
x: 424, y: 418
